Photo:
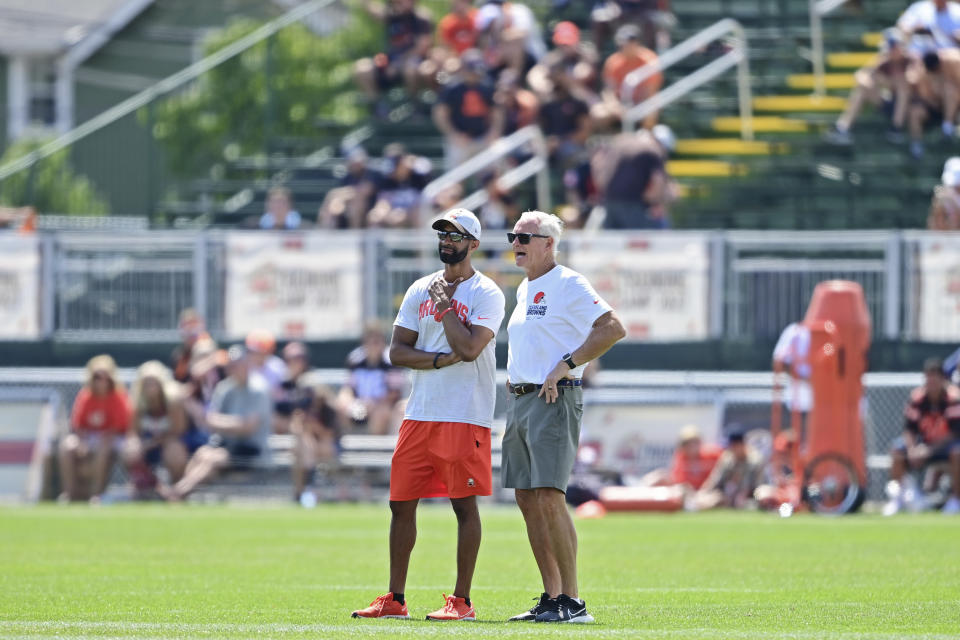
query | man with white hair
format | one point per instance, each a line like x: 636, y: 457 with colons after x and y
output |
x: 558, y: 326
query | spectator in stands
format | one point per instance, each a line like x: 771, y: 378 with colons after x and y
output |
x: 734, y: 479
x: 936, y: 90
x: 565, y: 120
x: 23, y: 219
x: 261, y: 346
x: 945, y: 207
x: 630, y: 57
x: 99, y: 422
x: 192, y: 329
x: 398, y: 196
x: 409, y: 38
x: 520, y: 105
x: 457, y: 31
x: 371, y: 396
x: 346, y: 206
x: 881, y: 83
x: 939, y: 19
x: 631, y: 175
x: 315, y: 428
x: 692, y: 462
x: 652, y: 16
x: 578, y: 59
x: 931, y: 434
x: 240, y: 418
x: 280, y: 214
x: 294, y: 393
x: 158, y: 428
x: 500, y: 211
x: 466, y: 112
x: 509, y: 36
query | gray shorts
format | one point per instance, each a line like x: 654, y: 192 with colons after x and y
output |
x: 540, y: 442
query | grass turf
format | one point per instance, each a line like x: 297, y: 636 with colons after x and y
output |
x: 153, y: 571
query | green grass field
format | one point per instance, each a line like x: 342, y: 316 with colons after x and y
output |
x: 196, y: 571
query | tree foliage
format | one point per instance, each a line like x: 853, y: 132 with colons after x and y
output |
x: 51, y: 185
x: 279, y: 88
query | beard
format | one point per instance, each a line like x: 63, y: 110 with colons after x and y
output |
x: 455, y: 257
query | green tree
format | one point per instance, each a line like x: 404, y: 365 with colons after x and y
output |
x: 279, y: 88
x: 50, y: 185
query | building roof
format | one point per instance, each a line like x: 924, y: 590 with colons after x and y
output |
x: 52, y: 27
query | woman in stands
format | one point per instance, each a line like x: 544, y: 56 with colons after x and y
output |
x: 158, y: 427
x: 98, y: 422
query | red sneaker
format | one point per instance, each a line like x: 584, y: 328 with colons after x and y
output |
x: 383, y: 607
x: 454, y: 609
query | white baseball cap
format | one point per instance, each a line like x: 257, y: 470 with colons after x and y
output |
x: 951, y: 172
x: 465, y: 221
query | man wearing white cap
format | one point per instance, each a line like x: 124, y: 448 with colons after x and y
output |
x: 444, y: 332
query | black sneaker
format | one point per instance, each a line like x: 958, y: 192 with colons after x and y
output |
x: 563, y: 608
x: 530, y: 616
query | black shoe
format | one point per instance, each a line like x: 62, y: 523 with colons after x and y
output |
x: 563, y: 608
x: 530, y: 616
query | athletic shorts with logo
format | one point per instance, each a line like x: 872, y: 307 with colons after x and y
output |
x: 441, y: 459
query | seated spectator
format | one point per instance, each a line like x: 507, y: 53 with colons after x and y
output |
x: 457, y: 31
x: 882, y: 83
x: 631, y: 177
x: 630, y: 56
x: 346, y: 206
x: 939, y: 19
x: 293, y: 393
x: 158, y: 428
x: 280, y: 214
x: 510, y: 36
x: 466, y: 113
x: 565, y: 121
x: 192, y: 329
x: 520, y: 106
x: 692, y: 462
x: 371, y: 396
x: 261, y: 345
x: 23, y: 219
x: 501, y: 210
x: 780, y: 487
x: 578, y: 59
x: 398, y: 197
x: 945, y: 207
x: 936, y: 90
x: 409, y: 37
x: 931, y: 434
x: 652, y: 16
x: 315, y: 428
x: 240, y: 418
x: 734, y: 479
x: 99, y: 422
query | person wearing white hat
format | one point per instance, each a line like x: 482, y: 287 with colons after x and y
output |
x: 445, y: 333
x: 945, y: 206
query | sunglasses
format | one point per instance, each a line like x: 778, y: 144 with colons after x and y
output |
x: 453, y: 236
x: 524, y: 237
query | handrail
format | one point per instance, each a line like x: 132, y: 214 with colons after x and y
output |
x: 738, y: 56
x: 166, y: 85
x: 538, y: 165
x: 818, y: 9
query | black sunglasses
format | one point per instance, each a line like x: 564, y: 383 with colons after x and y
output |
x: 454, y: 236
x: 524, y: 237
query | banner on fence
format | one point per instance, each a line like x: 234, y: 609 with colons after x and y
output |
x: 939, y: 290
x: 19, y: 287
x: 658, y: 284
x: 305, y: 286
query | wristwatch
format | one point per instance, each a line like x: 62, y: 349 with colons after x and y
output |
x: 568, y: 358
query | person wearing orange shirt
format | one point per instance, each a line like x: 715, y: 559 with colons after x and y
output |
x: 693, y: 460
x: 457, y: 30
x: 630, y: 56
x: 99, y: 421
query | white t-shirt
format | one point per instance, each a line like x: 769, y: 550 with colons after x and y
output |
x: 793, y: 348
x: 924, y: 14
x: 466, y: 391
x: 554, y: 315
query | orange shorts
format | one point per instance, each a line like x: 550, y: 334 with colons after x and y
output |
x: 441, y: 459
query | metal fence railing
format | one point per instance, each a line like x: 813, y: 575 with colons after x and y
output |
x: 126, y: 286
